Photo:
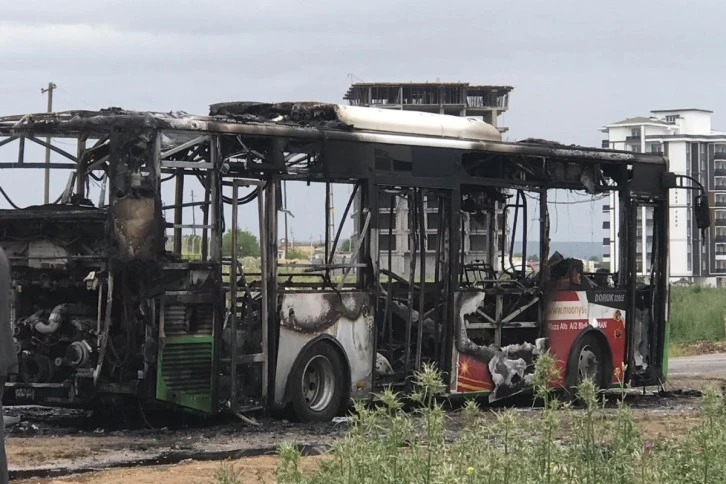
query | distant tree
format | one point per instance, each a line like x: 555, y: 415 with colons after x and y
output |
x: 533, y: 257
x: 344, y: 245
x: 595, y: 258
x: 294, y: 253
x: 247, y: 244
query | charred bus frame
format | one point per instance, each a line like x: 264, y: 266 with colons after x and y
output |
x: 102, y: 309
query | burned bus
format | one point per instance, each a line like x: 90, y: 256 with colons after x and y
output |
x: 108, y: 302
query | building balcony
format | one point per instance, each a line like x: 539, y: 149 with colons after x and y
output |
x: 719, y: 238
x: 719, y: 172
x: 719, y: 156
x: 632, y: 139
x: 720, y: 222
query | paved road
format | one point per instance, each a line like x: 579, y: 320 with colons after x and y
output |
x: 698, y: 367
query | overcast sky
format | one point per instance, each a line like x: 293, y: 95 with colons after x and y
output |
x: 575, y: 65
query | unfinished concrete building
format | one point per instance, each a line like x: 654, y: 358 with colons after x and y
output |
x: 456, y: 99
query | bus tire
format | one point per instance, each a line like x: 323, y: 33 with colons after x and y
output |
x: 588, y: 359
x: 317, y: 388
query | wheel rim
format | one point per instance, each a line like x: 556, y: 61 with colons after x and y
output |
x: 588, y: 365
x: 318, y: 383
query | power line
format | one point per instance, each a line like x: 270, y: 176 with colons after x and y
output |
x: 575, y: 202
x: 75, y: 98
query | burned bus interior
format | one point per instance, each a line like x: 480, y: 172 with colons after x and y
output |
x: 418, y: 266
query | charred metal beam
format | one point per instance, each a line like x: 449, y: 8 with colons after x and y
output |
x: 21, y: 150
x: 439, y: 270
x: 216, y: 214
x: 355, y: 251
x: 412, y: 222
x: 188, y: 226
x: 80, y: 170
x: 388, y: 315
x: 233, y: 299
x: 327, y: 223
x: 268, y: 233
x: 422, y: 274
x: 53, y: 148
x: 207, y: 226
x: 342, y: 222
x: 9, y: 139
x: 178, y: 200
x: 21, y: 164
x: 97, y: 164
x: 185, y: 205
x: 184, y: 146
x: 186, y: 164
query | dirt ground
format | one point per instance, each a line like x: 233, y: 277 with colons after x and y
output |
x: 251, y: 470
x: 668, y: 416
x: 701, y: 347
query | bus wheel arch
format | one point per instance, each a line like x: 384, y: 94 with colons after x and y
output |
x: 318, y: 386
x: 590, y: 356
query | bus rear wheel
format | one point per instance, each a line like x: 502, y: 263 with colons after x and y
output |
x: 588, y: 361
x: 317, y: 390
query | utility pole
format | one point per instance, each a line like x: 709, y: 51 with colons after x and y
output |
x: 49, y: 90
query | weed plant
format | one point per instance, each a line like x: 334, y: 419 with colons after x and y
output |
x: 581, y: 443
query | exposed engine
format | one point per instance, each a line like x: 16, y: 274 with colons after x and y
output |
x: 54, y: 344
x: 56, y: 255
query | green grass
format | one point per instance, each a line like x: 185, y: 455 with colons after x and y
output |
x: 564, y: 445
x: 226, y: 474
x: 697, y: 314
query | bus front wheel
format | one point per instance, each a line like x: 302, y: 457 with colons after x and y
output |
x: 317, y: 390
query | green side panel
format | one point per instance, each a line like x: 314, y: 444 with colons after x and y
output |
x: 184, y: 371
x: 666, y: 351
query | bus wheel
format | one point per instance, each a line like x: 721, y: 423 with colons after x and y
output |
x: 317, y: 386
x: 587, y: 361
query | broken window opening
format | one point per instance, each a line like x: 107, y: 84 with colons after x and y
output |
x: 318, y: 246
x: 411, y: 278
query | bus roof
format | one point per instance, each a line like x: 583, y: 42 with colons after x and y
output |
x: 315, y: 121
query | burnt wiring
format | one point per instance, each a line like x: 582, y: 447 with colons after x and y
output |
x: 16, y: 207
x: 229, y: 200
x: 574, y: 202
x: 5, y: 195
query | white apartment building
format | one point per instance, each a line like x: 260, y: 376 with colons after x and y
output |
x: 693, y: 148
